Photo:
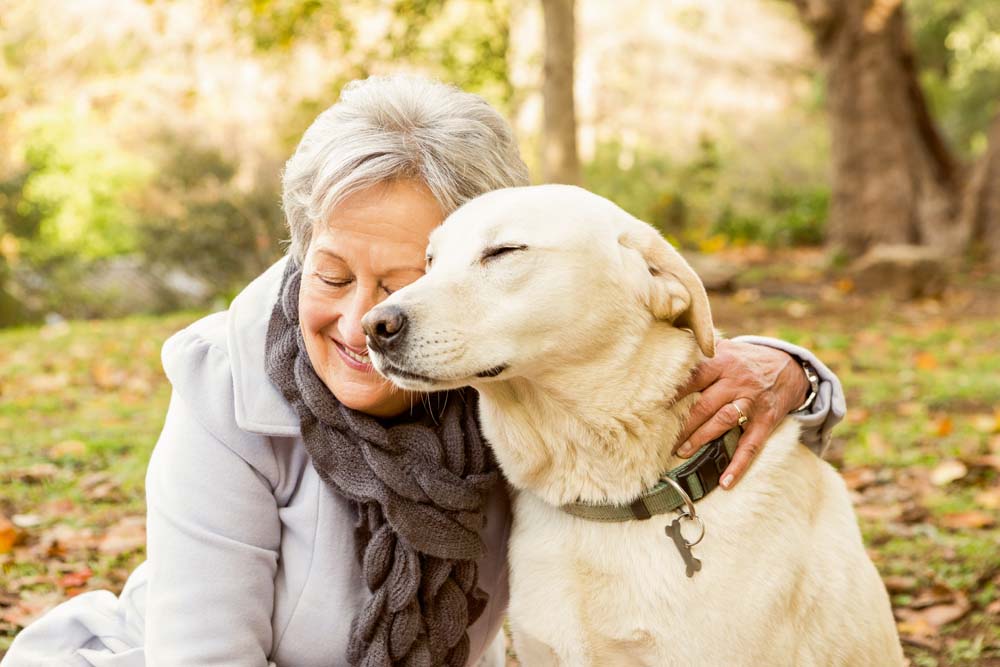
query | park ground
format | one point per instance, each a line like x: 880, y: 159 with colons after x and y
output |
x: 81, y: 405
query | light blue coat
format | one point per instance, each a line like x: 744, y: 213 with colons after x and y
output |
x: 250, y: 556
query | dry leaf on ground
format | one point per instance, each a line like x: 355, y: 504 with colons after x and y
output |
x: 29, y: 607
x: 127, y: 535
x: 8, y: 534
x: 859, y: 478
x: 73, y: 448
x: 947, y: 472
x: 970, y: 519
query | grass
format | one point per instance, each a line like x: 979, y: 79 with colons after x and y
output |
x: 81, y: 405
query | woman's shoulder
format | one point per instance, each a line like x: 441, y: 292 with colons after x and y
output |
x: 216, y: 367
x: 196, y: 362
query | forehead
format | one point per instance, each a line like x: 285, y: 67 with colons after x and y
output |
x: 379, y: 224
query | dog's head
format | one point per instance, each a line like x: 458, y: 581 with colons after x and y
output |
x: 525, y: 280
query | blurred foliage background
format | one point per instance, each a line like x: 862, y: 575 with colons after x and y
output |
x: 832, y: 168
x: 144, y: 140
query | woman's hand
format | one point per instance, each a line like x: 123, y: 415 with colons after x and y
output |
x: 764, y: 383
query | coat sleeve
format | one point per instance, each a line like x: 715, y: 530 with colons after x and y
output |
x: 829, y: 407
x: 213, y: 527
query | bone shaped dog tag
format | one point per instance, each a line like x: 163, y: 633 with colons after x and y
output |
x: 674, y: 531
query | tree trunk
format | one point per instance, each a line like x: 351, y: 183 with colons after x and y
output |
x: 560, y: 163
x: 981, y: 211
x: 895, y: 180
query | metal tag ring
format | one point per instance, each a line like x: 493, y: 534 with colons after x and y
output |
x: 701, y: 528
x: 689, y: 510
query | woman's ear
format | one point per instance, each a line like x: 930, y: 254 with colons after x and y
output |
x: 671, y: 289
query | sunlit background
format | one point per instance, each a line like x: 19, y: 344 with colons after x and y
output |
x: 832, y: 168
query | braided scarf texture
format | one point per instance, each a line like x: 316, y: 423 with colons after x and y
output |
x: 419, y: 490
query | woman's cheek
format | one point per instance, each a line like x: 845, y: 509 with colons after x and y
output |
x: 315, y: 312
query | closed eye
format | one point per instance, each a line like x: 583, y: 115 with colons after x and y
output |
x: 496, y: 251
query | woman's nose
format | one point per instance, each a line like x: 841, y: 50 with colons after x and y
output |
x: 350, y: 321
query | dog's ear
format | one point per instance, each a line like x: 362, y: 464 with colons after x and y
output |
x: 671, y: 288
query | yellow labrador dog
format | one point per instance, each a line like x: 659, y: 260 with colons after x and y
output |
x: 577, y: 323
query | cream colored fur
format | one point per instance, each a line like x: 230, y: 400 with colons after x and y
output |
x: 585, y: 323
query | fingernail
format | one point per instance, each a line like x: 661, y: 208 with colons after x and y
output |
x: 685, y: 449
x: 727, y: 481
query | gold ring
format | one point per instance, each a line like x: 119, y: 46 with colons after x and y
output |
x: 743, y: 418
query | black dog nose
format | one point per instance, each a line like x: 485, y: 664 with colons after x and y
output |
x: 385, y: 325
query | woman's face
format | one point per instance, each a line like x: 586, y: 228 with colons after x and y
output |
x: 372, y: 245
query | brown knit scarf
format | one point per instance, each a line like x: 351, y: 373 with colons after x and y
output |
x: 419, y: 488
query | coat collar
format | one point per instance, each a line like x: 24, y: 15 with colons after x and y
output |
x: 260, y: 407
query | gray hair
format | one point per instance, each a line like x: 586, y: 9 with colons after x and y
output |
x: 388, y: 128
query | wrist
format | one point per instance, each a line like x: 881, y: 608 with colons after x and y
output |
x: 810, y: 383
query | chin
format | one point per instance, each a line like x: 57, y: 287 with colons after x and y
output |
x: 370, y: 394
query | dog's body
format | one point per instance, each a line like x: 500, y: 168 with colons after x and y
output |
x: 575, y: 397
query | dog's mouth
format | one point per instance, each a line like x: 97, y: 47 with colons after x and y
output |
x: 408, y: 379
x: 392, y: 371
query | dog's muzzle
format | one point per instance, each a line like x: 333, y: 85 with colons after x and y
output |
x: 385, y: 328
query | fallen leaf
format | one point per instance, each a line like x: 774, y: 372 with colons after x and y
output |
x: 747, y: 295
x: 26, y: 520
x: 8, y: 534
x: 943, y: 614
x: 798, y: 309
x: 909, y: 408
x: 942, y: 426
x: 877, y: 445
x: 987, y: 423
x: 76, y: 579
x: 899, y: 583
x: 880, y: 512
x: 61, y: 539
x: 970, y: 519
x: 916, y: 627
x: 47, y: 384
x: 30, y: 607
x: 105, y: 376
x: 858, y: 415
x: 947, y: 472
x: 93, y: 479
x: 936, y: 594
x: 100, y: 486
x: 986, y: 461
x: 990, y: 498
x: 72, y: 448
x: 40, y: 472
x: 858, y: 478
x: 845, y: 285
x: 927, y: 621
x: 108, y: 492
x: 925, y: 361
x: 913, y: 513
x: 127, y: 535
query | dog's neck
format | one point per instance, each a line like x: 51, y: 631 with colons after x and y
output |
x: 599, y: 431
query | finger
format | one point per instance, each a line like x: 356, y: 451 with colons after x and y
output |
x: 708, y: 404
x: 724, y: 418
x: 704, y: 374
x: 749, y: 446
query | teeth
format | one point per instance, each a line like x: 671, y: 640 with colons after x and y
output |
x: 361, y: 359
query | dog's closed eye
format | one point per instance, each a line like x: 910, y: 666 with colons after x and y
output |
x: 499, y: 250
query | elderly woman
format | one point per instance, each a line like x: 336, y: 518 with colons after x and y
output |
x: 302, y: 510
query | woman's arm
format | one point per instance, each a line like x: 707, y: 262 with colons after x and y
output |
x: 764, y: 378
x: 213, y: 540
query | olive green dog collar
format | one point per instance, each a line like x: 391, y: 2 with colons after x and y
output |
x: 698, y: 476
